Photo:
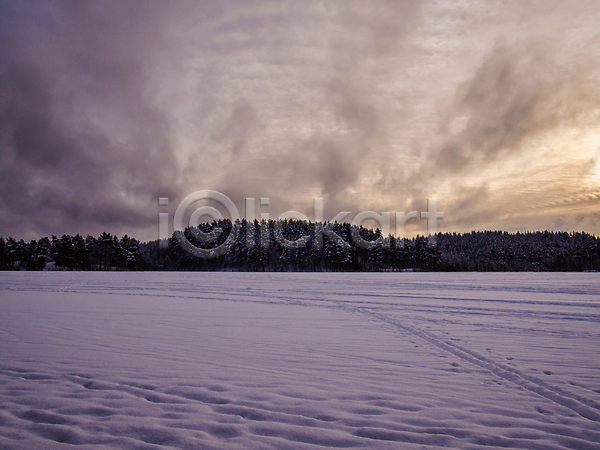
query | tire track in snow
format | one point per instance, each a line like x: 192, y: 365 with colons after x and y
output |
x: 585, y: 407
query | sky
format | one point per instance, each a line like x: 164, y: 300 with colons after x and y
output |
x: 490, y: 107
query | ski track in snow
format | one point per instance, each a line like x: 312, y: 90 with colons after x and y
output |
x: 299, y: 361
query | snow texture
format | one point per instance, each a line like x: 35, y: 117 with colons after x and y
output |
x: 299, y: 361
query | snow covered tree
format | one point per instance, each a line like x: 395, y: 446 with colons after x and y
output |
x: 41, y: 253
x: 14, y: 252
x: 81, y: 260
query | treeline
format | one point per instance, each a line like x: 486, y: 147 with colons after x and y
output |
x: 285, y: 246
x: 339, y: 250
x: 106, y: 252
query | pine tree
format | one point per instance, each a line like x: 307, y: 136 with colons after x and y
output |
x: 106, y: 251
x: 81, y: 260
x: 91, y: 245
x: 14, y: 252
x: 130, y: 257
x: 42, y: 253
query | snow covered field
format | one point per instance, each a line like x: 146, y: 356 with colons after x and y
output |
x: 247, y: 360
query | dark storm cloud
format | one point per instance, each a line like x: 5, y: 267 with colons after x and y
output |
x: 80, y: 144
x: 351, y: 96
x: 106, y: 106
x: 517, y: 92
x: 331, y: 162
x: 237, y: 127
x: 516, y: 89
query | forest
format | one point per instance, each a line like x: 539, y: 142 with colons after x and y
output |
x: 300, y: 246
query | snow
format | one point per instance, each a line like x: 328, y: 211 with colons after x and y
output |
x: 293, y: 361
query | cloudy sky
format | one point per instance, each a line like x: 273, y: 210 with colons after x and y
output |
x: 491, y: 107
